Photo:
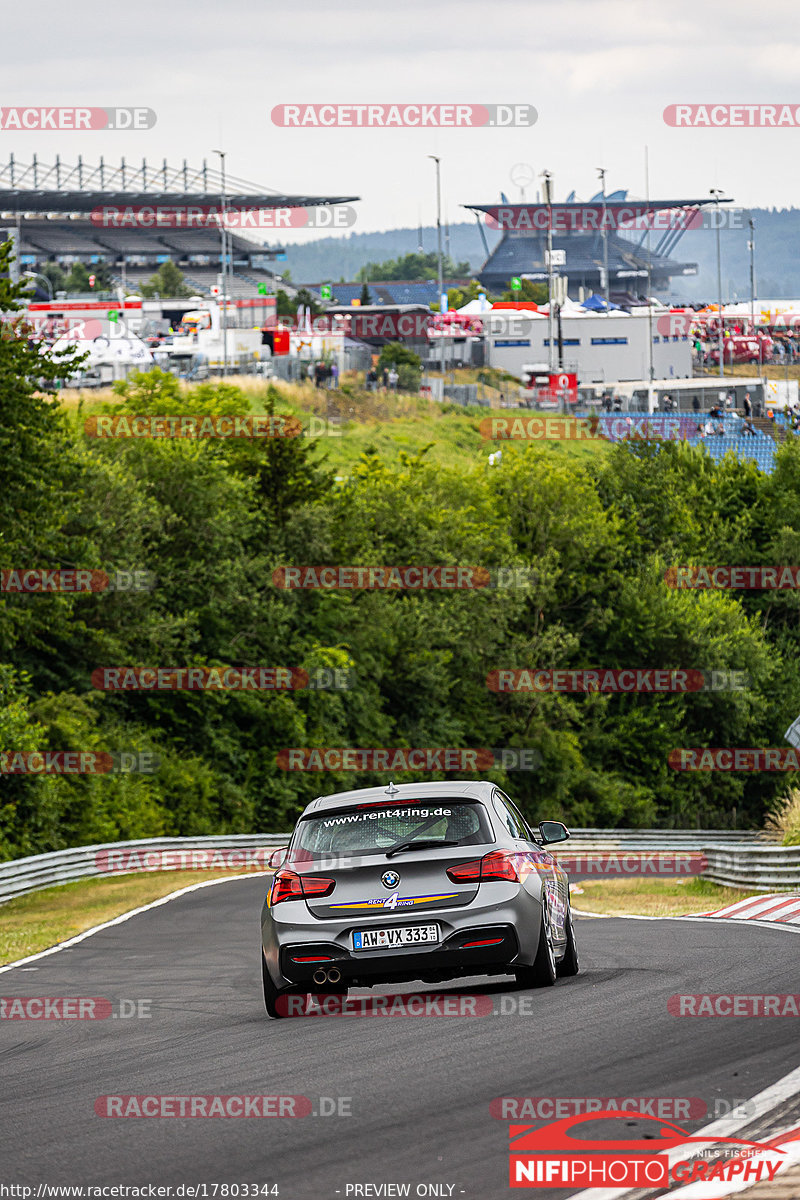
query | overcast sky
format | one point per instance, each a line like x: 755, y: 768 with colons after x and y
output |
x: 599, y: 73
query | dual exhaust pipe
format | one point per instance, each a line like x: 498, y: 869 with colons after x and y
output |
x: 331, y: 975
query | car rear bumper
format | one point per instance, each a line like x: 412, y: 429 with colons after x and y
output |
x: 495, y: 953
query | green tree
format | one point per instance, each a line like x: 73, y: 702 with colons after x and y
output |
x: 536, y: 292
x: 102, y: 277
x: 77, y: 281
x: 56, y: 276
x: 411, y: 266
x: 167, y: 281
x: 366, y: 295
x: 285, y: 305
x: 458, y: 297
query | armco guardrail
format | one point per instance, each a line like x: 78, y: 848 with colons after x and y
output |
x: 22, y: 875
x: 586, y: 841
x: 758, y: 868
x: 738, y: 859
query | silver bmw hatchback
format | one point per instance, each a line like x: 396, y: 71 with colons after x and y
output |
x: 424, y: 881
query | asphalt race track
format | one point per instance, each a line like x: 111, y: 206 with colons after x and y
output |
x: 419, y: 1087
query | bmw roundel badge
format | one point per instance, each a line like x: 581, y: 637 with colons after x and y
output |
x: 390, y: 879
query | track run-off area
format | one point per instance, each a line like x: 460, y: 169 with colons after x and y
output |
x: 368, y: 1102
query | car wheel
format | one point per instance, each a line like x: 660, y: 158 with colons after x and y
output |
x: 543, y: 971
x: 569, y: 963
x: 273, y: 994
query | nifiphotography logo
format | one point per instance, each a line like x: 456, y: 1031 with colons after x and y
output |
x: 553, y: 1156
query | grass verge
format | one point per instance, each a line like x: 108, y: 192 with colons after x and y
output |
x: 386, y: 424
x: 43, y: 919
x: 653, y: 897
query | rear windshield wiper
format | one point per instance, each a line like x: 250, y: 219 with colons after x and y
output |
x: 418, y: 843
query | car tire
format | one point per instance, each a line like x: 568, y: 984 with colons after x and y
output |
x: 543, y: 971
x: 569, y: 964
x: 272, y: 994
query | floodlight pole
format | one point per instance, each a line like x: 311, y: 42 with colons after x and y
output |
x: 548, y: 199
x: 602, y: 173
x: 751, y: 246
x: 440, y: 269
x: 223, y: 230
x: 716, y: 193
x: 649, y: 283
x: 439, y: 224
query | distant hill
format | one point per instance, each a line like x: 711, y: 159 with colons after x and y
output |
x: 340, y: 259
x: 777, y: 255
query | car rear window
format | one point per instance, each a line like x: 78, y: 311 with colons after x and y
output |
x: 369, y: 830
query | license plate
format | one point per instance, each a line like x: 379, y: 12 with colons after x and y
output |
x: 404, y: 935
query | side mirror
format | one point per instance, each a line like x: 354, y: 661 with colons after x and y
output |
x: 277, y: 858
x: 553, y: 831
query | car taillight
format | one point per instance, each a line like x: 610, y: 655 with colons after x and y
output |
x: 288, y: 885
x: 499, y: 864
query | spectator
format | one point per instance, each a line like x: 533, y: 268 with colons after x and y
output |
x: 372, y: 379
x: 696, y: 403
x: 720, y: 430
x: 748, y: 428
x: 708, y: 428
x: 393, y: 378
x: 385, y: 378
x: 334, y: 380
x: 748, y: 408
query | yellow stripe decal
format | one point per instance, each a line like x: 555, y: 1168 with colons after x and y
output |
x: 403, y: 903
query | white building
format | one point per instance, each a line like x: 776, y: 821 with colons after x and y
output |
x: 598, y: 348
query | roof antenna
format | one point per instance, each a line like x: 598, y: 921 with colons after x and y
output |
x: 391, y: 789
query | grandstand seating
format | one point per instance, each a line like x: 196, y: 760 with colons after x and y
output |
x: 759, y: 448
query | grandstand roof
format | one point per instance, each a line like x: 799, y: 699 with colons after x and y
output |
x: 63, y: 188
x: 611, y: 204
x: 521, y: 250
